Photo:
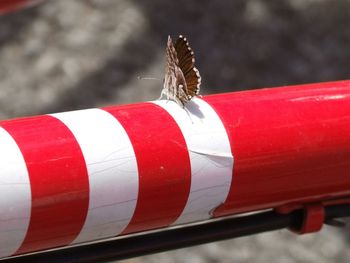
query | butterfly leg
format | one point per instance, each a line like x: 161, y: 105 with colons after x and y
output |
x: 168, y: 96
x: 180, y: 102
x: 183, y: 104
x: 163, y: 93
x: 161, y: 96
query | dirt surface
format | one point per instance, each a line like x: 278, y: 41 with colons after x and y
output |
x: 65, y: 55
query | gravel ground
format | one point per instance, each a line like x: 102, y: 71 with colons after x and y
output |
x: 65, y: 55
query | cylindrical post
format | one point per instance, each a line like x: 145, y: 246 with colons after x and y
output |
x: 79, y: 176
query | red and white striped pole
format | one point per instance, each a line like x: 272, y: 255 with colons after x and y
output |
x: 85, y: 175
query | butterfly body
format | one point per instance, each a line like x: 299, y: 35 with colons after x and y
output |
x: 182, y: 80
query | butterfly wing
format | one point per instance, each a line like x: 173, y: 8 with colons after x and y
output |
x: 171, y: 61
x: 170, y: 65
x: 174, y: 81
x: 186, y: 62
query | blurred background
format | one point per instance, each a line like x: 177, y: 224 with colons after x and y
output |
x: 65, y: 55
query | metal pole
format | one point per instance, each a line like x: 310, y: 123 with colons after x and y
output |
x: 75, y: 177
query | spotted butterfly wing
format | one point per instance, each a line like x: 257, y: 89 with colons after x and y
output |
x: 182, y: 79
x: 186, y: 59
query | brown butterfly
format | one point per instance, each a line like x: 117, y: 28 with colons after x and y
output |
x: 182, y: 80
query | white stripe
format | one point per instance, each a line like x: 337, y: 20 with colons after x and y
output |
x: 210, y: 155
x: 112, y: 169
x: 15, y: 196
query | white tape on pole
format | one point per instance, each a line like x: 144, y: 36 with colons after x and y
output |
x: 15, y: 196
x: 210, y: 154
x: 112, y: 169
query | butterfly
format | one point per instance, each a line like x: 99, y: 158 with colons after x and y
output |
x: 182, y: 80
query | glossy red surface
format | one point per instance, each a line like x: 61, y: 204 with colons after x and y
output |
x: 291, y: 148
x: 58, y: 180
x: 163, y: 164
x: 290, y: 144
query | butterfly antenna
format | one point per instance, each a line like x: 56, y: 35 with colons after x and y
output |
x: 148, y: 78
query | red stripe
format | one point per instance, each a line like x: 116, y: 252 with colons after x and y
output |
x: 288, y: 144
x: 58, y: 178
x: 163, y: 164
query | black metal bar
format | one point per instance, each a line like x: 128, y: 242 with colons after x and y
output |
x: 176, y: 238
